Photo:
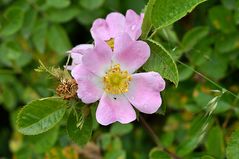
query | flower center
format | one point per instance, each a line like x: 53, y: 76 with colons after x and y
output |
x: 111, y: 43
x: 116, y: 81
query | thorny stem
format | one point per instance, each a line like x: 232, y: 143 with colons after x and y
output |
x: 156, y: 139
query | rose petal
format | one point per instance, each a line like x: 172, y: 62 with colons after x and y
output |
x: 130, y: 54
x: 111, y: 110
x: 144, y: 91
x: 98, y: 59
x: 80, y: 49
x: 133, y: 24
x: 116, y: 23
x: 90, y: 88
x: 76, y: 54
x: 100, y: 30
x: 76, y: 60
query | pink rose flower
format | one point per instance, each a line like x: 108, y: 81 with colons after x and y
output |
x: 115, y: 24
x: 108, y: 75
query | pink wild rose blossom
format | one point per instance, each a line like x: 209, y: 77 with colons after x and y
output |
x: 108, y: 75
x: 115, y: 24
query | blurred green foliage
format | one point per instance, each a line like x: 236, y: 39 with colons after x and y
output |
x: 200, y: 121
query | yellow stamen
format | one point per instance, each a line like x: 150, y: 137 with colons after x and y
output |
x: 111, y: 43
x: 116, y: 81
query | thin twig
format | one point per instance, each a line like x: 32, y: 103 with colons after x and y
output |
x: 208, y: 79
x: 156, y: 139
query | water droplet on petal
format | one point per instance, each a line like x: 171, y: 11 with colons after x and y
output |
x: 133, y: 27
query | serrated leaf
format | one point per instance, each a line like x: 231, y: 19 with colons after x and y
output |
x: 156, y: 153
x: 191, y: 38
x: 91, y: 4
x: 79, y: 135
x: 147, y: 23
x: 40, y: 115
x: 166, y: 12
x: 58, y: 40
x: 161, y: 61
x: 232, y: 149
x: 13, y: 20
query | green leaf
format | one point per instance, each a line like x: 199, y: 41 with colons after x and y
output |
x: 161, y: 61
x: 167, y: 138
x: 39, y: 35
x: 184, y: 72
x: 115, y: 154
x: 62, y: 15
x: 8, y: 97
x: 121, y: 129
x: 227, y: 43
x: 13, y: 55
x: 79, y: 135
x: 229, y: 4
x: 91, y: 4
x: 198, y: 130
x: 162, y: 109
x: 236, y: 16
x: 29, y: 22
x: 191, y: 38
x: 201, y: 51
x: 215, y: 142
x: 215, y: 67
x: 40, y: 115
x: 222, y: 19
x: 58, y: 40
x: 207, y: 157
x: 86, y: 17
x: 13, y: 20
x: 166, y: 12
x: 58, y: 3
x: 168, y: 34
x: 232, y: 149
x: 156, y: 153
x: 105, y: 140
x: 147, y: 24
x: 45, y: 141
